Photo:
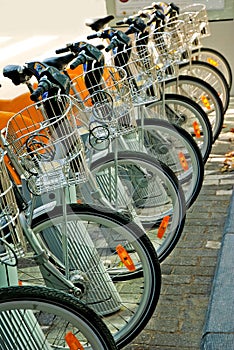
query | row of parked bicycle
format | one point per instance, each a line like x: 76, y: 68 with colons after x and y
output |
x: 100, y: 161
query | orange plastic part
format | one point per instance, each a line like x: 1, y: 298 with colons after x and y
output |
x: 183, y: 161
x: 73, y: 342
x: 163, y: 226
x: 125, y: 258
x: 20, y: 126
x: 205, y: 102
x: 196, y: 129
x: 212, y: 62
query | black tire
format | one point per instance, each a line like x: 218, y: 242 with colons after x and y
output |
x: 203, y: 94
x: 183, y: 111
x: 215, y: 58
x: 168, y: 143
x: 211, y: 75
x: 47, y: 314
x: 155, y: 198
x: 106, y: 229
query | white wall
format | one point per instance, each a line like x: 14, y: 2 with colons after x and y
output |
x: 48, y: 16
x: 26, y: 18
x: 222, y: 39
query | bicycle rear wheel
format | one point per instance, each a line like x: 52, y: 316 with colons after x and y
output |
x: 36, y: 318
x: 98, y: 241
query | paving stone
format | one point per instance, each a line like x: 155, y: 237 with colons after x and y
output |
x: 188, y: 273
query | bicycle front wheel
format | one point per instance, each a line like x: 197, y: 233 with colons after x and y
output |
x: 123, y: 291
x: 211, y: 75
x: 216, y: 59
x: 176, y: 148
x: 186, y: 113
x: 203, y: 94
x: 40, y: 318
x: 150, y: 189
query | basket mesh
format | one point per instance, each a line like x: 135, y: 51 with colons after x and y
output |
x: 105, y: 101
x: 12, y: 242
x: 44, y: 141
x: 199, y: 16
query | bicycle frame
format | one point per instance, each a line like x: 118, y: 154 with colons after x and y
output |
x: 51, y: 274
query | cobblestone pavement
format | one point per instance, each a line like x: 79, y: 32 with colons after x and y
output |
x: 187, y: 274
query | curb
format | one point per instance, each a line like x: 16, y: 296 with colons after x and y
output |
x: 218, y: 332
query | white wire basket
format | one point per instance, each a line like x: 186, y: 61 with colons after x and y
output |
x: 196, y: 23
x: 12, y: 242
x: 168, y: 55
x: 44, y: 142
x: 174, y: 29
x: 167, y: 59
x: 137, y: 61
x: 105, y: 101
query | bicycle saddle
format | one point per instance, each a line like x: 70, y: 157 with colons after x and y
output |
x: 17, y: 74
x: 59, y: 62
x: 97, y: 24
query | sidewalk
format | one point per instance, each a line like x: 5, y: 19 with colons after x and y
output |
x: 219, y: 327
x: 196, y: 307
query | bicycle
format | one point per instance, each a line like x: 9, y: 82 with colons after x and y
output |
x: 165, y: 197
x: 36, y: 317
x: 167, y: 143
x: 177, y: 109
x: 172, y: 82
x: 91, y: 240
x: 187, y: 26
x: 196, y: 27
x: 198, y: 14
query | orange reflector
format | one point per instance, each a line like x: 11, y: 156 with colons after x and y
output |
x: 73, y: 342
x: 196, y: 129
x: 125, y: 258
x: 183, y: 161
x: 205, y: 102
x: 20, y: 283
x: 213, y: 62
x: 163, y: 226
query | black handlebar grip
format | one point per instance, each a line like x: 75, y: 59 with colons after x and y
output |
x: 175, y: 7
x: 111, y: 46
x: 36, y: 94
x: 131, y: 30
x: 64, y: 49
x: 120, y: 23
x: 80, y: 59
x: 92, y: 36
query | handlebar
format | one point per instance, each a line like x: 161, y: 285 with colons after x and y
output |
x: 119, y: 23
x: 94, y: 36
x: 39, y: 92
x: 84, y: 52
x: 132, y: 29
x: 114, y: 43
x: 62, y: 50
x: 74, y: 48
x: 174, y: 7
x: 156, y: 16
x: 51, y: 80
x: 102, y: 34
x: 79, y: 60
